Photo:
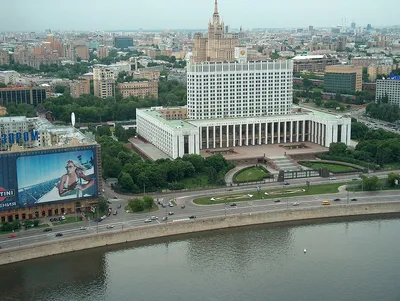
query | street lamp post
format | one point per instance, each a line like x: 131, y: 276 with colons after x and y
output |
x: 225, y: 208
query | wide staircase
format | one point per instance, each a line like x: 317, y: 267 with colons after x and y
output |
x: 284, y: 163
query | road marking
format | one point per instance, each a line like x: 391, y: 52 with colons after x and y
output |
x: 181, y: 220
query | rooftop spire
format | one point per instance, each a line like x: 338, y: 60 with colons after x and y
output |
x: 216, y: 14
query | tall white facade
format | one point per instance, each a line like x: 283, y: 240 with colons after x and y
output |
x: 245, y: 89
x: 389, y: 87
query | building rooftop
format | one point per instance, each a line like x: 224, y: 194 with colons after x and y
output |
x: 177, y: 124
x: 12, y: 119
x: 308, y: 57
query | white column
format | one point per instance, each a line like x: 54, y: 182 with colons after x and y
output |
x: 197, y: 145
x: 279, y: 132
x: 285, y: 131
x: 227, y: 136
x: 253, y: 142
x: 291, y: 131
x: 207, y: 139
x: 181, y: 145
x: 297, y: 131
x: 259, y: 134
x: 240, y: 136
x: 272, y: 132
x: 247, y: 134
x: 214, y: 136
x: 200, y: 137
x: 348, y: 134
x: 266, y: 133
x: 303, y: 136
x: 220, y: 136
x: 344, y: 132
x: 234, y: 136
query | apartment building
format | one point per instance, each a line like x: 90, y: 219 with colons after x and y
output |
x: 375, y: 70
x: 139, y: 89
x: 313, y: 63
x: 79, y: 87
x: 388, y: 87
x: 104, y: 81
x: 4, y: 57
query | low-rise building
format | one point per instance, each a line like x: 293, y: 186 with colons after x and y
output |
x: 79, y: 87
x: 139, y: 89
x: 375, y: 70
x: 343, y: 78
x: 22, y: 94
x: 313, y: 63
x: 9, y: 77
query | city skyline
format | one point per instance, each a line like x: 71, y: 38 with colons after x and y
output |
x: 82, y: 16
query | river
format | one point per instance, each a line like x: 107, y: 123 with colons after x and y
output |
x: 353, y: 260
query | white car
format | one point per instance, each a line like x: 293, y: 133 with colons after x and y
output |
x: 104, y: 217
x: 110, y: 226
x: 153, y: 218
x: 333, y: 178
x: 83, y: 228
x: 171, y: 205
x: 296, y: 204
x: 147, y: 220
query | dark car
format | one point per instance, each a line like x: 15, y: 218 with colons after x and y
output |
x: 192, y: 216
x: 286, y: 184
x: 47, y: 230
x: 98, y: 220
x: 277, y: 201
x: 337, y: 200
x: 115, y: 198
x: 119, y: 206
x: 354, y: 200
x: 59, y: 234
x: 233, y: 205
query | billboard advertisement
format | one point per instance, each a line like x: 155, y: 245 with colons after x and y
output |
x: 35, y: 178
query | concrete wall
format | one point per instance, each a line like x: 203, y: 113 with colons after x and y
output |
x: 175, y: 228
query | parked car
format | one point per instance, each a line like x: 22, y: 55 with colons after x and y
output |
x: 192, y: 216
x: 354, y: 200
x: 147, y: 220
x: 337, y: 200
x: 59, y: 234
x: 296, y: 204
x: 12, y: 235
x: 170, y: 213
x: 277, y: 201
x: 47, y: 230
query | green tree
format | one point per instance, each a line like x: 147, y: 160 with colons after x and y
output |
x: 102, y: 205
x: 148, y: 202
x: 60, y: 89
x: 392, y: 179
x: 136, y: 205
x: 126, y: 182
x: 337, y: 149
x: 371, y: 183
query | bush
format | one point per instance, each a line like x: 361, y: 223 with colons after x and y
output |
x: 176, y: 186
x: 348, y: 160
x: 136, y: 205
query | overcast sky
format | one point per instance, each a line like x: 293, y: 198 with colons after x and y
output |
x: 31, y: 15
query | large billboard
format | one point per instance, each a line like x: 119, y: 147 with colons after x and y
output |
x: 35, y: 178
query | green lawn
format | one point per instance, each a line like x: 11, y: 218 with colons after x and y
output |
x: 331, y: 167
x: 250, y: 175
x: 287, y: 191
x: 198, y: 181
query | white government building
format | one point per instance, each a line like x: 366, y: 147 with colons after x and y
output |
x: 236, y: 104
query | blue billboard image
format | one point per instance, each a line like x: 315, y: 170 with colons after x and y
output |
x: 56, y: 177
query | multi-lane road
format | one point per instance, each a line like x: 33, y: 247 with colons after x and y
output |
x: 126, y: 220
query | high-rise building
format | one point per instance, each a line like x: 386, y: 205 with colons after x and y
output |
x: 343, y: 78
x: 353, y: 25
x: 81, y: 51
x: 104, y: 81
x: 390, y: 88
x: 341, y: 43
x: 234, y: 102
x: 217, y: 46
x: 102, y: 52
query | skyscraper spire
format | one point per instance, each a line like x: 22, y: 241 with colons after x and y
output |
x: 216, y: 14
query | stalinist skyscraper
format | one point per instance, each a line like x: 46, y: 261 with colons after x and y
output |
x: 217, y: 45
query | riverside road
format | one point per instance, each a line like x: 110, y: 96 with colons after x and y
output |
x: 130, y: 220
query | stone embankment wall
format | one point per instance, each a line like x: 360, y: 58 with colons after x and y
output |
x: 175, y: 228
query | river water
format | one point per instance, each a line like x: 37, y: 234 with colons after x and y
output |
x: 354, y: 260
